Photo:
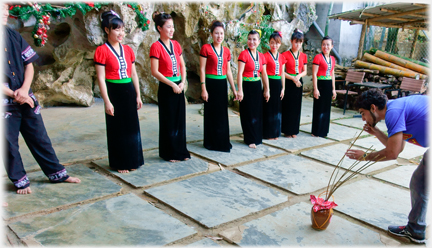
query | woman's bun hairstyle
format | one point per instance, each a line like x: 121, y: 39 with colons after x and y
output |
x: 160, y: 19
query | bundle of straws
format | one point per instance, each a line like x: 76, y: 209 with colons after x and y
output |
x: 335, y: 182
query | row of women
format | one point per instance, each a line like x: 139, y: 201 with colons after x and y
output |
x: 270, y: 91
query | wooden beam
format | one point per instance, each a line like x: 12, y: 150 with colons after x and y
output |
x: 398, y: 14
x: 414, y: 43
x: 394, y: 18
x: 387, y: 25
x: 420, y: 4
x: 362, y: 38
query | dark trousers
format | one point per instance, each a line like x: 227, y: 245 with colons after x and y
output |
x: 419, y: 197
x: 24, y: 119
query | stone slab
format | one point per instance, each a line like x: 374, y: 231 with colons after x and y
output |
x: 294, y: 173
x: 195, y: 122
x: 400, y: 175
x: 240, y: 152
x: 46, y: 195
x: 336, y: 132
x: 376, y: 203
x: 302, y: 141
x: 204, y: 243
x: 410, y: 150
x: 217, y: 198
x: 307, y: 111
x: 80, y: 133
x: 291, y: 226
x: 119, y: 221
x: 359, y: 123
x: 156, y: 170
x: 332, y: 155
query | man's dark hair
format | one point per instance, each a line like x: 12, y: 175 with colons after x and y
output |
x: 372, y: 96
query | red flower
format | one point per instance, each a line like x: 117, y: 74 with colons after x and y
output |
x: 89, y: 4
x: 11, y: 7
x: 129, y: 6
x: 148, y: 21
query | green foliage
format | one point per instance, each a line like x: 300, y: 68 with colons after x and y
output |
x: 143, y: 22
x: 67, y: 10
x: 262, y: 25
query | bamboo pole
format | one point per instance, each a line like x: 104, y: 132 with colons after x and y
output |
x: 379, y: 61
x: 362, y: 38
x: 385, y: 70
x: 402, y: 62
x: 417, y: 32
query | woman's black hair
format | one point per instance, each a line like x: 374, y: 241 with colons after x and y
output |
x: 160, y: 19
x: 254, y: 31
x: 276, y: 35
x: 327, y: 38
x: 216, y: 24
x: 297, y: 35
x: 372, y: 96
x: 111, y: 20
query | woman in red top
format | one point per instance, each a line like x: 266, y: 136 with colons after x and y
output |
x: 272, y: 110
x: 324, y: 88
x: 167, y: 65
x: 215, y: 68
x: 296, y: 68
x: 119, y: 86
x: 250, y: 64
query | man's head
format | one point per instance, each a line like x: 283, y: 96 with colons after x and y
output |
x: 5, y: 13
x: 371, y: 104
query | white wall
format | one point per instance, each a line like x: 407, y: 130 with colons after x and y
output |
x: 349, y: 34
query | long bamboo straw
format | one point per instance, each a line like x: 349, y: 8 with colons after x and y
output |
x: 402, y: 62
x: 386, y: 70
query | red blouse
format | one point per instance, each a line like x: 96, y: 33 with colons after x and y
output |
x: 169, y: 62
x: 117, y: 66
x: 274, y: 65
x: 294, y: 63
x: 253, y: 64
x: 216, y: 64
x: 324, y: 68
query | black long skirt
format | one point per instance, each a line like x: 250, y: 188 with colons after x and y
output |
x: 251, y: 112
x: 172, y: 124
x: 272, y: 111
x: 123, y: 130
x: 291, y: 108
x: 321, y: 109
x: 216, y: 125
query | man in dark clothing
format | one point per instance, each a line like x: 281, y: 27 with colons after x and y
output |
x: 406, y: 118
x: 22, y: 114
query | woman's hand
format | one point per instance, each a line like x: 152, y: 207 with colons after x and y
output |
x: 109, y: 108
x: 177, y: 89
x: 240, y: 95
x: 204, y: 95
x: 235, y: 95
x: 181, y: 86
x: 334, y: 94
x: 316, y: 94
x: 282, y: 93
x: 267, y: 95
x: 139, y: 103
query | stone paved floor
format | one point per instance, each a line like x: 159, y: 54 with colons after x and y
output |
x: 243, y: 198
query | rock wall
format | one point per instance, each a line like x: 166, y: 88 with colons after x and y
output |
x: 65, y: 73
